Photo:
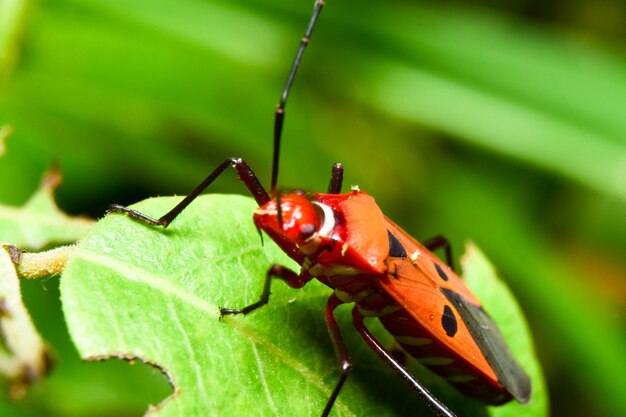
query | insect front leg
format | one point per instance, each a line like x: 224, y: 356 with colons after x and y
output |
x: 345, y: 365
x: 438, y: 242
x: 437, y: 406
x: 276, y: 271
x: 246, y: 175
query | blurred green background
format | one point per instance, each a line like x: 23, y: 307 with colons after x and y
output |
x: 500, y: 122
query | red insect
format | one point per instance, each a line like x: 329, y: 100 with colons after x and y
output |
x: 346, y: 242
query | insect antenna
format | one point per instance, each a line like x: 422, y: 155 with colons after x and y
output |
x: 336, y: 179
x: 279, y: 209
x: 279, y: 115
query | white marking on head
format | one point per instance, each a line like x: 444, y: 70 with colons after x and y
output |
x: 355, y: 188
x: 329, y: 220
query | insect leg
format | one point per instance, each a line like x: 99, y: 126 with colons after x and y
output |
x: 276, y: 271
x: 440, y: 241
x: 398, y: 354
x: 279, y: 116
x: 336, y: 179
x: 246, y: 175
x: 345, y: 365
x: 437, y: 406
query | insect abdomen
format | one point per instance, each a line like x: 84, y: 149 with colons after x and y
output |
x: 420, y: 344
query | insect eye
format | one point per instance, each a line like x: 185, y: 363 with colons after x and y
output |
x: 306, y: 231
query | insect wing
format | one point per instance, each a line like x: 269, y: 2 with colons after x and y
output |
x: 441, y: 303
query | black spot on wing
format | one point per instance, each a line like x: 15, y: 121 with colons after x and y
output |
x: 448, y: 321
x: 492, y: 345
x: 441, y: 272
x: 396, y: 250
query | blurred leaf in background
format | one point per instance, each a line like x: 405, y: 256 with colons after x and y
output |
x: 13, y: 15
x: 502, y: 122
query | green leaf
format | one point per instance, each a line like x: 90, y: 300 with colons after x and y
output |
x: 5, y: 132
x: 24, y: 356
x: 134, y: 291
x: 480, y: 276
x: 13, y: 14
x: 40, y: 222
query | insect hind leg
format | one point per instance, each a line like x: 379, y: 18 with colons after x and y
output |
x: 343, y: 357
x: 437, y: 406
x: 438, y: 242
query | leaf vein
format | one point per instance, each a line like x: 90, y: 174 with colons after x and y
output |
x: 140, y: 275
x: 290, y: 361
x: 262, y: 378
x: 192, y: 353
x: 166, y: 286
